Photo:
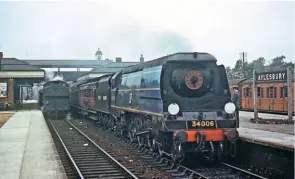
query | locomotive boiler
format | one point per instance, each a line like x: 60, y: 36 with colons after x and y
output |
x: 178, y: 104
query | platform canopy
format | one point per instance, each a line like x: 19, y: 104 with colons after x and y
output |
x: 14, y: 68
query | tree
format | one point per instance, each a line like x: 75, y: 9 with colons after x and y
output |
x: 229, y: 72
x: 259, y: 64
x: 238, y: 66
x: 277, y: 63
x: 246, y: 70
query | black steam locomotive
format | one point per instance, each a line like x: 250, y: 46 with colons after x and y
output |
x: 177, y: 104
x: 54, y: 99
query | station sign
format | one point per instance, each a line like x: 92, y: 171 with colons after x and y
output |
x: 271, y: 76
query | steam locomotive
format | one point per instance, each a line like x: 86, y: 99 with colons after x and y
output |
x: 54, y: 99
x: 177, y: 104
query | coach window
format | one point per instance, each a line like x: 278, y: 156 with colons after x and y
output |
x: 247, y: 92
x: 259, y: 92
x: 284, y: 92
x: 151, y: 77
x: 272, y: 92
x: 134, y: 80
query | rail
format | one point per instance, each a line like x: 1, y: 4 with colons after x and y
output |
x: 87, y: 157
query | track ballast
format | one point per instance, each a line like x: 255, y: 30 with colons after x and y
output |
x: 88, y: 159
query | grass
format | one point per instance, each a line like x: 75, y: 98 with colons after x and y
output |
x: 4, y: 117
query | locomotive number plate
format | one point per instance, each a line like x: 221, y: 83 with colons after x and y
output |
x: 201, y: 124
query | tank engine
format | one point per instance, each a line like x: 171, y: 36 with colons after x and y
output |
x: 178, y: 104
x: 54, y: 98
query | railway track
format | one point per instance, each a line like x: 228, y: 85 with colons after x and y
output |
x: 87, y: 158
x: 206, y: 171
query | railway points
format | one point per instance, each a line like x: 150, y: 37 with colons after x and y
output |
x: 27, y: 149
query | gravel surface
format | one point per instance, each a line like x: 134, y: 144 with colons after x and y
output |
x: 281, y: 128
x: 4, y: 117
x: 124, y: 155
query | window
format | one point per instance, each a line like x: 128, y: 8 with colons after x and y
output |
x: 247, y: 92
x: 271, y: 92
x: 3, y: 89
x: 134, y: 80
x: 284, y: 92
x: 151, y: 77
x: 123, y: 82
x: 259, y: 92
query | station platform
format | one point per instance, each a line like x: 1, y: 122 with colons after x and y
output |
x: 274, y: 135
x: 27, y: 149
x: 263, y: 115
x: 267, y: 138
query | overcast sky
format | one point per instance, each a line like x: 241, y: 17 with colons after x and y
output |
x: 59, y: 30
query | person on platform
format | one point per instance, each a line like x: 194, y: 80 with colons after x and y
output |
x: 236, y: 100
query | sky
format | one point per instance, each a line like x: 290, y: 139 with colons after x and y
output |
x: 75, y: 29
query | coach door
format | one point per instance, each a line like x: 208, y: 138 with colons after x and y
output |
x: 259, y: 97
x: 247, y: 98
x: 284, y: 98
x: 271, y: 95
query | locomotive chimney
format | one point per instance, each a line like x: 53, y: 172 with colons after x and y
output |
x: 118, y: 59
x: 1, y: 54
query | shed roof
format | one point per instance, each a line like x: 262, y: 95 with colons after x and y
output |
x: 13, y: 64
x: 67, y: 63
x: 120, y: 64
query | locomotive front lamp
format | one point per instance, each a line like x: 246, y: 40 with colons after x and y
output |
x: 173, y: 108
x: 229, y: 108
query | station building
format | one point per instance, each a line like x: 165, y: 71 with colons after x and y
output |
x: 15, y: 76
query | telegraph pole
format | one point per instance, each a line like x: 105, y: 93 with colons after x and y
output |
x: 289, y: 88
x: 255, y: 95
x: 1, y: 56
x: 243, y: 57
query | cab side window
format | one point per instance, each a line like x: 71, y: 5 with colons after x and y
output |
x: 134, y: 80
x: 151, y: 77
x: 123, y: 82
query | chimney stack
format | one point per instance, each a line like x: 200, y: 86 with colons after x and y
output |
x: 118, y: 59
x: 1, y: 54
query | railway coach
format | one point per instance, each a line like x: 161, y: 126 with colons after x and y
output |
x: 272, y: 93
x: 178, y: 104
